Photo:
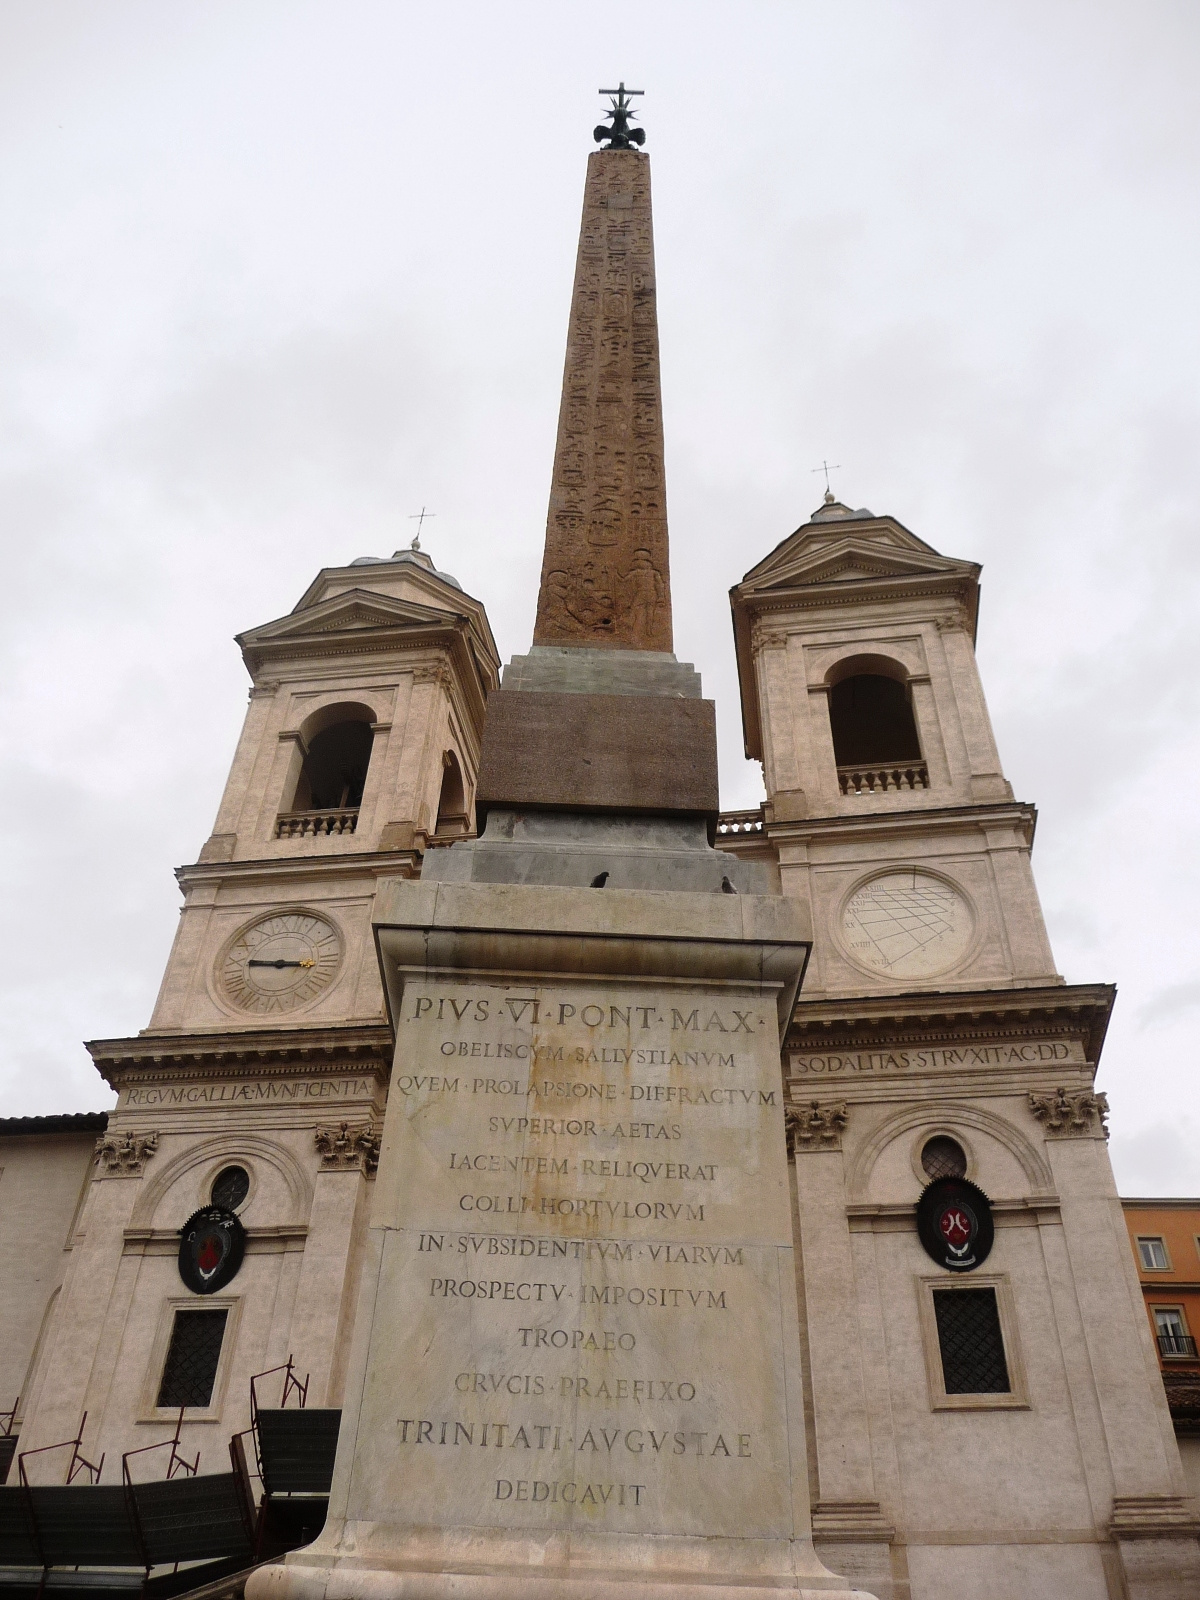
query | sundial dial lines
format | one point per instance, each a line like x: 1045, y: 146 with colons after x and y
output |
x: 281, y: 961
x: 906, y: 923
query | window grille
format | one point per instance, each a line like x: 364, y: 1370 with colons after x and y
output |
x: 192, y: 1356
x: 1171, y: 1330
x: 943, y: 1157
x: 230, y: 1187
x: 972, y: 1346
x: 1154, y: 1255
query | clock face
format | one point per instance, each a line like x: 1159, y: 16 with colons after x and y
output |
x: 907, y: 924
x: 280, y: 962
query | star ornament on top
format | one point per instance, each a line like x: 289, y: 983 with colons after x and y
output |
x: 620, y: 136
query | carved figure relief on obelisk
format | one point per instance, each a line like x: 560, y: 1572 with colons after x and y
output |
x: 605, y: 574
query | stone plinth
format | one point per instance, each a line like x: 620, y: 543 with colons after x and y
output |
x: 599, y: 752
x: 577, y: 1365
x: 573, y: 669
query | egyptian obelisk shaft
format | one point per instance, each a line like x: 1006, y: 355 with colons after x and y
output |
x: 605, y: 573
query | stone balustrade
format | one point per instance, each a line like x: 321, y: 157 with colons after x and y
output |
x: 882, y: 779
x: 733, y: 823
x: 315, y: 824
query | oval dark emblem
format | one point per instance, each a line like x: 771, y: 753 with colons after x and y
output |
x: 212, y: 1243
x: 954, y: 1221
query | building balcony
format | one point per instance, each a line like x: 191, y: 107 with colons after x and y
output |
x: 315, y: 824
x: 740, y: 824
x: 883, y: 779
x: 1177, y: 1344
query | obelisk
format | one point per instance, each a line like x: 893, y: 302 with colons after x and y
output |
x: 576, y: 1368
x: 606, y: 579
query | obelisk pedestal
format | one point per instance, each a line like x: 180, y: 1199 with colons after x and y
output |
x: 577, y: 1365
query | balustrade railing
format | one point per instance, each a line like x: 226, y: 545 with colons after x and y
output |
x: 1176, y: 1344
x: 315, y: 824
x: 731, y: 824
x: 884, y: 778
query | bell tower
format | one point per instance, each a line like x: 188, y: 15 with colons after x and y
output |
x: 862, y: 700
x: 260, y: 1083
x: 934, y: 1042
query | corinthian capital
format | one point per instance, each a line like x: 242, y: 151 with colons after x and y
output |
x: 1071, y: 1113
x: 124, y: 1155
x: 813, y: 1126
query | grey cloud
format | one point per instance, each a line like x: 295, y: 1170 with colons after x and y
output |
x: 273, y: 284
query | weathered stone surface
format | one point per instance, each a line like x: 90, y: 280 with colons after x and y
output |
x: 575, y: 849
x: 575, y: 669
x: 598, y: 752
x: 605, y: 574
x: 582, y: 1208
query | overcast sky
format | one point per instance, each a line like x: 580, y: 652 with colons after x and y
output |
x: 274, y: 275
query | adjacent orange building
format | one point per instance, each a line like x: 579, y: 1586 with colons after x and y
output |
x: 1165, y: 1235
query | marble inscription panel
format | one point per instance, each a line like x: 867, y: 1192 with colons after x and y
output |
x: 974, y: 1057
x: 586, y: 1253
x: 256, y: 1092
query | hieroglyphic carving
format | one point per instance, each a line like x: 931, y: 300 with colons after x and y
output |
x: 605, y: 573
x: 812, y: 1126
x: 124, y: 1155
x: 1071, y: 1113
x: 346, y: 1146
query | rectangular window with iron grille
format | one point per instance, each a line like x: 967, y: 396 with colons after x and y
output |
x: 1172, y: 1333
x: 970, y: 1340
x: 193, y: 1354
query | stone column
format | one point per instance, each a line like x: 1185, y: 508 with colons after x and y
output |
x: 72, y: 1378
x: 1149, y: 1516
x: 321, y: 1322
x: 847, y: 1502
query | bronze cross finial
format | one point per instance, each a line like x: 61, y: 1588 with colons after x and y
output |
x: 826, y: 469
x: 419, y: 518
x: 620, y: 136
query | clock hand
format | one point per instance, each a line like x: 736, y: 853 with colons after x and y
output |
x: 279, y: 964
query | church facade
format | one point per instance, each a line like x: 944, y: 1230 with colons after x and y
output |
x: 980, y: 1425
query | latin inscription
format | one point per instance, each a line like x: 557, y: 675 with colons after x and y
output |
x: 269, y: 1092
x: 962, y: 1058
x: 602, y: 1155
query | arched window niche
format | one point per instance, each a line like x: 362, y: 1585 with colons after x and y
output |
x: 875, y: 741
x: 336, y: 743
x: 453, y: 820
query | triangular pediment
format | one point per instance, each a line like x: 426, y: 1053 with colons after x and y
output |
x: 821, y: 553
x: 352, y: 611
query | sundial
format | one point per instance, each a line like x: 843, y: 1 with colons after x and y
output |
x: 907, y: 924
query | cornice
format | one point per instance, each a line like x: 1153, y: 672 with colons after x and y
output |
x: 271, y: 1052
x: 376, y: 863
x: 858, y: 591
x: 259, y: 1241
x: 454, y: 637
x: 1077, y: 1010
x: 879, y: 824
x: 899, y: 1217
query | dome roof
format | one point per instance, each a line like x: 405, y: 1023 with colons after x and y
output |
x: 415, y: 557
